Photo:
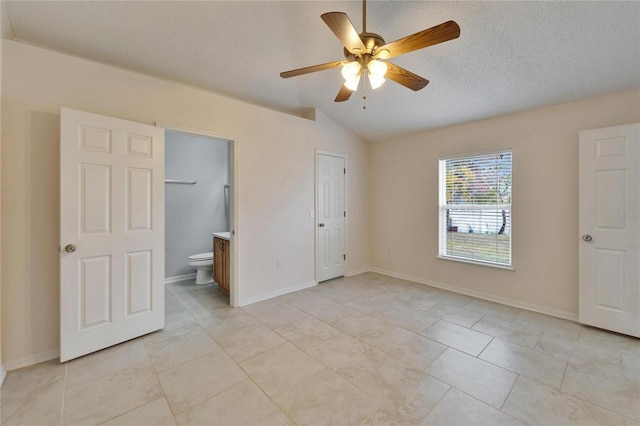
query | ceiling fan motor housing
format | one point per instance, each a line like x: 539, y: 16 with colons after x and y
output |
x: 372, y: 41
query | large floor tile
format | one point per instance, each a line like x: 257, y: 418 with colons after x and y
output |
x: 405, y: 391
x: 364, y: 327
x: 127, y: 355
x: 509, y: 332
x: 23, y: 405
x: 274, y: 314
x: 407, y: 318
x: 536, y: 404
x: 328, y: 311
x: 307, y: 332
x: 280, y: 368
x: 242, y: 404
x: 156, y: 413
x: 618, y: 342
x: 493, y: 310
x: 600, y: 358
x: 385, y: 417
x: 346, y: 354
x: 176, y: 350
x: 548, y: 324
x: 200, y: 379
x: 455, y: 314
x: 337, y: 290
x: 537, y: 366
x: 232, y: 320
x: 631, y: 368
x: 615, y: 394
x: 249, y: 341
x: 458, y: 408
x: 414, y: 349
x: 478, y: 378
x: 326, y: 399
x: 109, y: 396
x: 34, y: 375
x: 461, y: 338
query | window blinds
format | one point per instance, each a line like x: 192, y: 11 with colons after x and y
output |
x: 475, y: 208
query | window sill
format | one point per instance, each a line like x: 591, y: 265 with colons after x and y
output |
x: 472, y: 262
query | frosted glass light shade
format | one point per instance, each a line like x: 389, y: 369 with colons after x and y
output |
x: 351, y: 70
x: 377, y: 71
x: 352, y: 83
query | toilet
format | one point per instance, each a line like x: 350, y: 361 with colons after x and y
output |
x: 203, y: 262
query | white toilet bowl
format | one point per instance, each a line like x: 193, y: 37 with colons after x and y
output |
x: 203, y: 262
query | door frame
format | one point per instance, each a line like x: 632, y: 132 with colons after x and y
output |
x: 317, y: 154
x: 233, y: 274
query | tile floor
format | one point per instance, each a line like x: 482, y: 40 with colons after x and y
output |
x: 365, y: 350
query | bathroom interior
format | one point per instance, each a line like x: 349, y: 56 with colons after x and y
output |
x: 198, y: 178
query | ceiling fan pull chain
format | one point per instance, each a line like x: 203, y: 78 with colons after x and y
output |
x: 364, y: 91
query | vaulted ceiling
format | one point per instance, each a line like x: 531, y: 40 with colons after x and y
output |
x: 511, y: 55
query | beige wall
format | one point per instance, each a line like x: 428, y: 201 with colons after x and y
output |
x: 2, y: 17
x: 275, y: 182
x: 404, y: 201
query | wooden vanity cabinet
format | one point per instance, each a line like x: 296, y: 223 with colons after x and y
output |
x: 221, y: 263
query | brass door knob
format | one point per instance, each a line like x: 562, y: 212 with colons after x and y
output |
x: 70, y: 248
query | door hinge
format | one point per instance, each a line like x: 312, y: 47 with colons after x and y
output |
x: 345, y: 214
x: 345, y: 170
x: 344, y: 256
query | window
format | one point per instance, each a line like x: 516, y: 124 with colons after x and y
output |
x: 475, y: 208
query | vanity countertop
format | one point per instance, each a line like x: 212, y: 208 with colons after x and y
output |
x: 223, y: 235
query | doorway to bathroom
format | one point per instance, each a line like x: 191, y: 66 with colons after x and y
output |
x: 198, y: 204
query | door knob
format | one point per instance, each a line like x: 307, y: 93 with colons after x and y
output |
x: 70, y: 248
x: 587, y: 237
x: 321, y: 225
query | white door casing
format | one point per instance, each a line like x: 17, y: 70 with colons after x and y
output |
x: 112, y: 211
x: 330, y: 214
x: 609, y: 248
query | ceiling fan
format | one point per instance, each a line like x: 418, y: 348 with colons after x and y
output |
x: 367, y: 53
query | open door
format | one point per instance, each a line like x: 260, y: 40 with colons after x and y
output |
x: 610, y: 228
x: 111, y: 231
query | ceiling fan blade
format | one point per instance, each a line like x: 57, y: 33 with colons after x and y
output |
x: 342, y: 27
x: 425, y: 38
x: 405, y: 77
x: 313, y: 68
x: 344, y: 94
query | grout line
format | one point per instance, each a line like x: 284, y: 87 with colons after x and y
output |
x: 64, y: 389
x: 515, y: 382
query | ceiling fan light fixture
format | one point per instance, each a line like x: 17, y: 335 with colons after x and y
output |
x: 351, y: 74
x: 352, y: 83
x: 377, y: 70
x: 351, y: 70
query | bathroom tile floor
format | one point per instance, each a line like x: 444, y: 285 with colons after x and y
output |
x: 367, y: 350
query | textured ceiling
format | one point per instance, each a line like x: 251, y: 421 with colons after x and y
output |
x: 511, y: 56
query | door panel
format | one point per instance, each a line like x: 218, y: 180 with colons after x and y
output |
x: 112, y: 210
x: 609, y: 271
x: 330, y: 216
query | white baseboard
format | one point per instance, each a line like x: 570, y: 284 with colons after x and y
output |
x: 481, y: 295
x: 358, y: 271
x: 178, y: 278
x: 31, y: 359
x: 279, y: 292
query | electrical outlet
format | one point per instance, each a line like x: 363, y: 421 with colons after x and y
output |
x: 280, y: 263
x: 312, y: 214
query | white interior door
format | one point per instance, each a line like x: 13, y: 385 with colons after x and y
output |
x: 610, y: 228
x: 330, y: 213
x: 111, y: 231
